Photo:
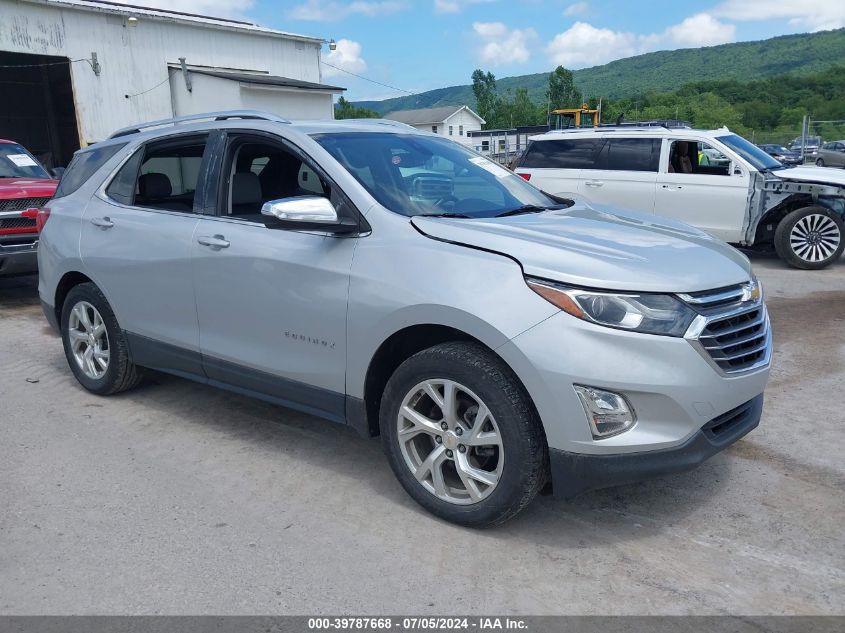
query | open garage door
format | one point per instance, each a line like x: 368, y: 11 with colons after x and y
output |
x: 37, y: 109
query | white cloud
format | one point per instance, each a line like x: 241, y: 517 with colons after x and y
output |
x: 212, y: 8
x: 815, y: 15
x: 347, y: 56
x: 586, y: 45
x: 583, y: 44
x: 701, y: 29
x: 577, y: 8
x: 323, y: 11
x: 455, y: 6
x: 501, y: 45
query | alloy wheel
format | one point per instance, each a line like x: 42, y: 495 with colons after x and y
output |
x: 814, y: 237
x: 89, y: 341
x: 450, y: 441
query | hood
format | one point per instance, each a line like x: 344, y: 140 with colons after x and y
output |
x: 27, y: 188
x: 601, y: 247
x: 821, y: 175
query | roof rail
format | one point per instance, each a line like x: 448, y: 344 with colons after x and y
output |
x: 389, y: 122
x: 664, y: 123
x: 216, y: 116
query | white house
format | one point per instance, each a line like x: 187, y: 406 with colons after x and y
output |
x: 73, y: 71
x: 455, y: 122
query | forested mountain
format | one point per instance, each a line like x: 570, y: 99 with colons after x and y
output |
x: 662, y: 71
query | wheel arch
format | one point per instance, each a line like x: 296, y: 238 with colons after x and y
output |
x: 68, y: 281
x: 401, y: 345
x: 768, y: 224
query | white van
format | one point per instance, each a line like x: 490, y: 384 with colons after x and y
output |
x: 712, y: 179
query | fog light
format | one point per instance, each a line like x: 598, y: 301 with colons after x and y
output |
x: 608, y: 413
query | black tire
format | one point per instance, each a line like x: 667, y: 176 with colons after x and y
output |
x: 121, y: 374
x: 820, y: 162
x: 784, y: 243
x: 525, y: 466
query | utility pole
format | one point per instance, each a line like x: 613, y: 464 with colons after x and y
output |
x: 804, y: 124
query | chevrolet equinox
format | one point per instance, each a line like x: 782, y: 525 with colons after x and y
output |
x: 497, y: 338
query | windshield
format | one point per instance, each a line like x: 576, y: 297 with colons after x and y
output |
x: 412, y: 175
x: 16, y: 162
x: 759, y: 159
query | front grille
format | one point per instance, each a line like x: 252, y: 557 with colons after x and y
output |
x: 735, y: 333
x: 17, y: 223
x: 21, y: 204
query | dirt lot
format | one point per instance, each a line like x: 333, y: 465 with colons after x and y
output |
x: 177, y: 498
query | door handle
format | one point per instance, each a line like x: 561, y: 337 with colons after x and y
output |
x: 672, y: 187
x: 214, y: 241
x: 103, y: 223
x: 593, y: 183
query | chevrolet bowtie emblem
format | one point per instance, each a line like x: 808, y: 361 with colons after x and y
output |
x: 751, y: 292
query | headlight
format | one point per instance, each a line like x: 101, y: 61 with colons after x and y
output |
x: 637, y: 312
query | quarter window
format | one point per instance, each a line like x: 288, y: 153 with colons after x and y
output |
x: 83, y: 166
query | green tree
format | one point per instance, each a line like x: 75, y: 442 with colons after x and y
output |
x: 486, y: 97
x: 562, y: 92
x: 346, y: 110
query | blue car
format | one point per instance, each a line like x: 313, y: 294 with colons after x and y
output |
x: 782, y: 154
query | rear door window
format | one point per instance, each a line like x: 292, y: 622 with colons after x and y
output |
x: 563, y: 154
x: 168, y: 174
x: 633, y: 154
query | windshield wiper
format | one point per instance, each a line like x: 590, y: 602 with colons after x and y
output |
x: 442, y: 215
x: 529, y: 208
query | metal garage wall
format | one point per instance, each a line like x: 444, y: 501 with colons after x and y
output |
x: 227, y: 94
x: 134, y: 60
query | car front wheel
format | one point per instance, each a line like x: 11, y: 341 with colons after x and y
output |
x: 820, y: 162
x: 810, y: 238
x: 462, y: 436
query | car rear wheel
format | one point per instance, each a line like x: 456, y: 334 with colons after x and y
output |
x: 95, y: 346
x: 462, y: 436
x: 810, y: 238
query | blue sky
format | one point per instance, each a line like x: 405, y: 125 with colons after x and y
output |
x: 423, y: 44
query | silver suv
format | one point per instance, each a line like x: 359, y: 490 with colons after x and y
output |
x: 498, y: 339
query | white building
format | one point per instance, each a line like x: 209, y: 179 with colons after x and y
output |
x: 73, y: 71
x: 455, y: 122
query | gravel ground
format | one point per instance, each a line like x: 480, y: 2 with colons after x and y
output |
x: 180, y: 499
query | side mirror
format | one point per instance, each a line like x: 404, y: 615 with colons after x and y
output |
x: 305, y: 213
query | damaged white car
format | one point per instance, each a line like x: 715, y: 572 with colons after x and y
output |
x: 712, y: 179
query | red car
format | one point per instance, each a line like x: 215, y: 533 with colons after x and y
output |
x: 25, y: 187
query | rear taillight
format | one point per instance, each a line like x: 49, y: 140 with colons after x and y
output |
x: 39, y: 215
x: 524, y: 176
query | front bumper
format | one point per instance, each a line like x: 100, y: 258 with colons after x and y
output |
x: 18, y: 259
x: 576, y: 473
